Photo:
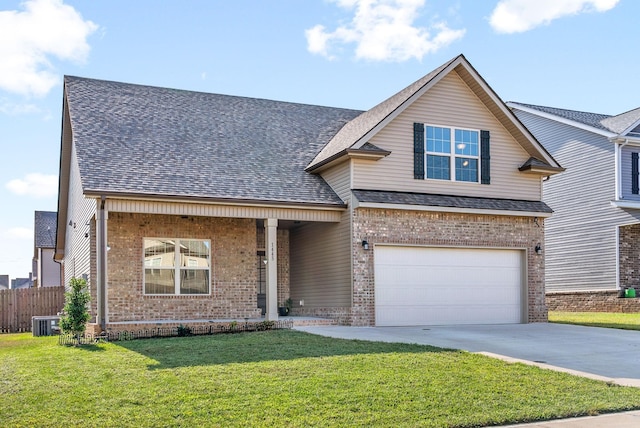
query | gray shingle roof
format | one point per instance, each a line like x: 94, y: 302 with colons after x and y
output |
x: 45, y: 225
x: 591, y: 119
x: 138, y: 139
x: 449, y: 201
x: 621, y: 122
x: 605, y: 122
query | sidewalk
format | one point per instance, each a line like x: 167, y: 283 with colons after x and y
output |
x: 612, y: 420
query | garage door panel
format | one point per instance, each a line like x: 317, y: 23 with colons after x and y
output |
x: 423, y: 285
x: 448, y: 315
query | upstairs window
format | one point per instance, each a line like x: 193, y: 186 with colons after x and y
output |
x: 452, y: 154
x: 177, y: 266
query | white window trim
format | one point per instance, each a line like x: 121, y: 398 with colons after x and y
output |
x: 452, y: 155
x: 176, y: 267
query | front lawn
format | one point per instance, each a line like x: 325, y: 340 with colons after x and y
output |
x: 281, y: 378
x: 597, y: 319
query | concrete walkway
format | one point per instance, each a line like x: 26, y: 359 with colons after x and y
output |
x: 609, y: 355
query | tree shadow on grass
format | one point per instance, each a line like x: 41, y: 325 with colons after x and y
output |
x: 257, y: 346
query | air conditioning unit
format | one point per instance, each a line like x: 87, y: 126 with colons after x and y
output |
x: 45, y: 325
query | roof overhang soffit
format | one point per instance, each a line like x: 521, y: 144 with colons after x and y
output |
x: 351, y: 153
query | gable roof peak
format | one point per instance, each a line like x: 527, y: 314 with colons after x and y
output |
x: 354, y: 133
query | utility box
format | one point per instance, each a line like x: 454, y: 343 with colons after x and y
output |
x: 45, y: 325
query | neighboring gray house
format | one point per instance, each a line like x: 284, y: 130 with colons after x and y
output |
x: 182, y: 206
x: 4, y: 282
x: 46, y: 272
x: 17, y: 283
x: 593, y: 238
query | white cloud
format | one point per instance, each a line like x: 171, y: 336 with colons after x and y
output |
x: 29, y: 39
x: 36, y: 185
x: 19, y: 233
x: 382, y: 30
x: 517, y: 16
x: 13, y: 109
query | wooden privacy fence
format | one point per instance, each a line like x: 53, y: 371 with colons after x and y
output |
x: 18, y: 306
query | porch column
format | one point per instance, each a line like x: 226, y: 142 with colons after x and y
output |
x: 271, y: 254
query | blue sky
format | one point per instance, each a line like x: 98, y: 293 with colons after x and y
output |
x: 575, y: 54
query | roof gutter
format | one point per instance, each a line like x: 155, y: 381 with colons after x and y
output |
x: 97, y: 193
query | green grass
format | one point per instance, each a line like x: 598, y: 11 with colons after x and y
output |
x: 281, y: 378
x: 597, y: 319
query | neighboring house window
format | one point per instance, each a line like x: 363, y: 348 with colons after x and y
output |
x: 177, y: 266
x: 447, y: 153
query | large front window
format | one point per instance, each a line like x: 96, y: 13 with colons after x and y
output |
x: 452, y: 154
x: 177, y: 266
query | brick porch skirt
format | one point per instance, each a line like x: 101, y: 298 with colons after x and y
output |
x: 94, y: 329
x: 591, y: 301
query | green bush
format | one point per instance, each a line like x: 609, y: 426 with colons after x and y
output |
x: 75, y: 313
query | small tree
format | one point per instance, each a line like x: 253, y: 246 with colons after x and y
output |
x: 75, y: 314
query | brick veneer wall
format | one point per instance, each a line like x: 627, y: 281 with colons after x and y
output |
x: 630, y: 255
x: 386, y: 226
x: 233, y: 271
x: 592, y: 301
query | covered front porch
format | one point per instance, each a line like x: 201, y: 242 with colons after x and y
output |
x: 248, y: 258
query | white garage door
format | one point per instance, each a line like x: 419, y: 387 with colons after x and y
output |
x: 439, y: 286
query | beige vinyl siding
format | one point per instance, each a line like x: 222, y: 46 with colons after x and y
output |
x: 321, y: 264
x: 339, y: 178
x: 234, y: 211
x: 49, y: 276
x: 80, y: 213
x: 449, y: 103
x: 581, y: 236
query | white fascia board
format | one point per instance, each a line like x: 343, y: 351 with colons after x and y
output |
x: 633, y: 205
x: 406, y: 207
x: 624, y: 141
x: 559, y: 119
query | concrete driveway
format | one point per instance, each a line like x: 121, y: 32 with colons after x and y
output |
x: 600, y: 353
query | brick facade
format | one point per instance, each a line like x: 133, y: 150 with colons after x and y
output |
x: 234, y: 272
x: 630, y: 255
x: 386, y: 226
x: 592, y: 301
x: 234, y: 275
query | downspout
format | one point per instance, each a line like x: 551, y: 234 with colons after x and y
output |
x: 618, y: 169
x: 102, y: 264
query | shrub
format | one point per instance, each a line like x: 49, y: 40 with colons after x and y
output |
x: 75, y: 313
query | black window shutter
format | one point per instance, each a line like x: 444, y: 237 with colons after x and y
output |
x: 418, y: 150
x: 485, y: 158
x: 634, y: 173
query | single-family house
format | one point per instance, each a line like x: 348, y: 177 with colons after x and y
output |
x: 46, y: 272
x: 4, y: 282
x: 592, y: 249
x: 185, y: 206
x: 17, y: 283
